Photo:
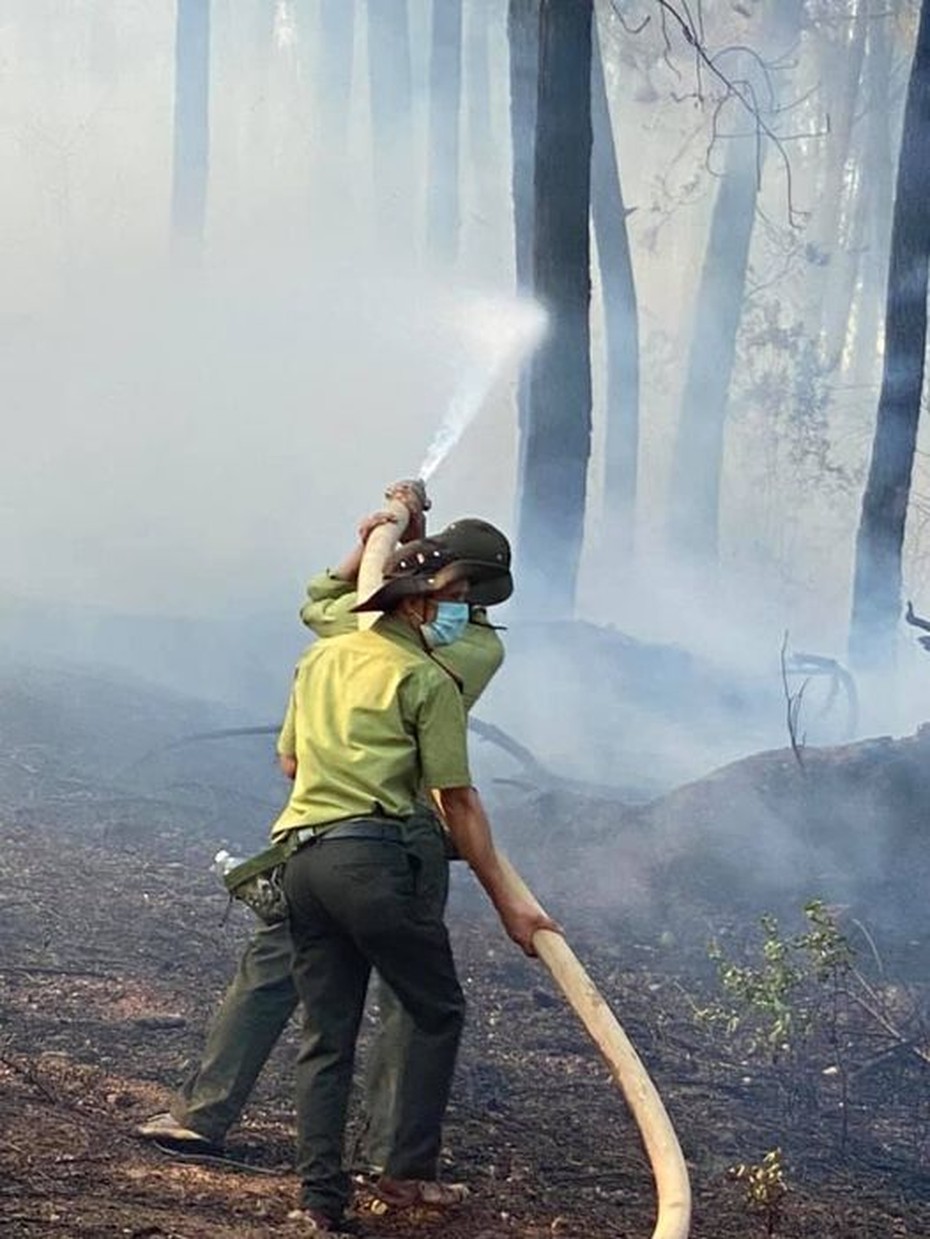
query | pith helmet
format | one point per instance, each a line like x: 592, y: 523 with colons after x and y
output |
x: 478, y: 541
x: 426, y: 567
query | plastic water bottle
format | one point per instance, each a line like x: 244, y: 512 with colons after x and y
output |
x: 223, y: 861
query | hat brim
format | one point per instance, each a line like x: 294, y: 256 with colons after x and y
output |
x: 387, y: 596
x: 488, y: 585
x: 492, y: 589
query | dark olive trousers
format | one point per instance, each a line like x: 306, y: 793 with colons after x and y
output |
x: 260, y: 1001
x: 245, y: 1029
x: 357, y: 904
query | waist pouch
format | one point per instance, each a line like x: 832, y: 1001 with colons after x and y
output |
x: 257, y: 881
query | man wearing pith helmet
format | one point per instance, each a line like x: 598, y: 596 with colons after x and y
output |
x: 377, y: 717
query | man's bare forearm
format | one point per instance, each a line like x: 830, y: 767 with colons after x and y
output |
x: 470, y: 829
x: 347, y: 568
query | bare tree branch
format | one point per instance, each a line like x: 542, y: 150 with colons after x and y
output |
x: 792, y: 706
x: 692, y: 31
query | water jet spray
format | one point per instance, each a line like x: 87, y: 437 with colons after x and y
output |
x: 502, y: 332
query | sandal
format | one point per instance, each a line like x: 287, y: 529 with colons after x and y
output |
x: 403, y: 1193
x: 165, y: 1127
x: 320, y: 1225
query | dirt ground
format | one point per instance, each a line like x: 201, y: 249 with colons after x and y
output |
x: 112, y: 955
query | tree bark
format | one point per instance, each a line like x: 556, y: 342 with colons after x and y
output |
x: 523, y: 40
x: 876, y: 604
x: 697, y: 465
x: 621, y: 442
x: 557, y: 431
x: 844, y: 192
x: 480, y: 134
x: 841, y: 73
x: 523, y: 44
x: 336, y: 43
x: 878, y: 176
x: 391, y: 93
x: 841, y: 292
x: 191, y: 129
x: 445, y: 94
x: 694, y: 497
x: 482, y: 152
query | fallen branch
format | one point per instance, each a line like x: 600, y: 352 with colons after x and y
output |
x: 31, y: 1078
x: 817, y: 664
x: 792, y: 706
x: 871, y: 1003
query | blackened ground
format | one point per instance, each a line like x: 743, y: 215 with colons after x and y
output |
x: 112, y: 955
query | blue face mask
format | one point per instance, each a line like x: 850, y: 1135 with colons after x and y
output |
x: 449, y: 624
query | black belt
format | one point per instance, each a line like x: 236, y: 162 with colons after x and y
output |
x: 376, y: 829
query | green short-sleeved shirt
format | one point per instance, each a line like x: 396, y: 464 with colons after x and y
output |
x: 473, y: 659
x: 373, y: 718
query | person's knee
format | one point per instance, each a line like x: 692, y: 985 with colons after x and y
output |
x: 332, y: 1041
x: 446, y: 1017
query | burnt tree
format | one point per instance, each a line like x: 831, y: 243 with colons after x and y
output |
x: 694, y: 491
x: 878, y: 177
x: 523, y: 45
x: 876, y: 603
x: 480, y: 131
x: 191, y: 129
x: 557, y: 427
x: 697, y: 464
x: 608, y: 214
x: 333, y: 73
x: 391, y: 92
x: 445, y: 94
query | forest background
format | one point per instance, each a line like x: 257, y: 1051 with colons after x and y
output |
x: 254, y: 251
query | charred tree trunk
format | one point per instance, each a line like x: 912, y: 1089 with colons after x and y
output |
x: 480, y: 137
x: 878, y: 177
x: 557, y: 430
x: 841, y: 71
x: 697, y: 465
x: 838, y: 307
x: 523, y: 43
x: 483, y: 155
x: 336, y: 42
x: 845, y: 190
x: 191, y: 129
x: 391, y: 93
x: 445, y: 94
x: 876, y: 606
x: 621, y: 444
x: 694, y: 497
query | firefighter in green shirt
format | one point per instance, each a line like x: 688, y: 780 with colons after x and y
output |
x: 472, y: 650
x: 376, y: 717
x: 261, y: 998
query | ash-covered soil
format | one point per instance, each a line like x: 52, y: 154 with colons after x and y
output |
x: 113, y: 952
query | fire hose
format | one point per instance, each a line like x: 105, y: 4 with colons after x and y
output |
x: 673, y: 1189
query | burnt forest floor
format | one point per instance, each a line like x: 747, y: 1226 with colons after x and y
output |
x: 113, y: 954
